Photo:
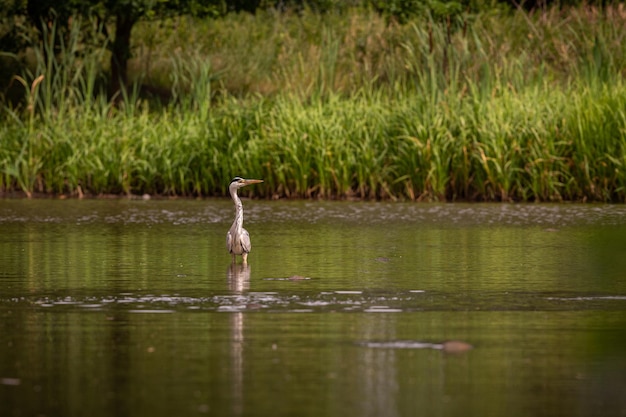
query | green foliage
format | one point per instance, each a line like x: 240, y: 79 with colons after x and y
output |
x: 403, y: 11
x: 513, y: 107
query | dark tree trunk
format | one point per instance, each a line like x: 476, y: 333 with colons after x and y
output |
x: 120, y: 52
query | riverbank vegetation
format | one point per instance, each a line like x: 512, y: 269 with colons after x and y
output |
x: 492, y: 106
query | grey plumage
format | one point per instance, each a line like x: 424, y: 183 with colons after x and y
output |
x: 238, y: 238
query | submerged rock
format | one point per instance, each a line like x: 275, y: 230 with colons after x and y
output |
x: 456, y: 346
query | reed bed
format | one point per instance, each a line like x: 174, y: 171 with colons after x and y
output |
x: 503, y: 107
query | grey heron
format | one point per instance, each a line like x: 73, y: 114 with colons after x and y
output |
x: 238, y: 238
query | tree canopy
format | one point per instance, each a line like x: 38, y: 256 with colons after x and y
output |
x: 22, y: 21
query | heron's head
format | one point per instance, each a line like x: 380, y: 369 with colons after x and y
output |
x: 239, y: 182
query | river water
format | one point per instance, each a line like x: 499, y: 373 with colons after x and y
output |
x: 132, y: 308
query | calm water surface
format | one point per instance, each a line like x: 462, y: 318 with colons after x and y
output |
x: 132, y: 308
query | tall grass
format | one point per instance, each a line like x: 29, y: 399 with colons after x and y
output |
x: 504, y: 107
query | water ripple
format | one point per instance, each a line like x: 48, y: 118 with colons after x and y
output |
x: 336, y: 301
x: 190, y: 212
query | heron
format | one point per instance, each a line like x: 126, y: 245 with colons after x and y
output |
x: 238, y: 238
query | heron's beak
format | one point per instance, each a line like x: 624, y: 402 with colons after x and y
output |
x: 248, y: 182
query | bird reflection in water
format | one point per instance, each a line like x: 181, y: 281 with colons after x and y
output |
x: 238, y: 276
x: 237, y: 359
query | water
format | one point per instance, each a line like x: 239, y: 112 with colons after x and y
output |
x: 132, y: 308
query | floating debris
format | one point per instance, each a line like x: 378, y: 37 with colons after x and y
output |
x: 456, y: 346
x: 382, y: 309
x: 588, y: 298
x: 450, y: 346
x: 291, y: 278
x: 10, y: 381
x: 297, y: 278
x: 151, y: 311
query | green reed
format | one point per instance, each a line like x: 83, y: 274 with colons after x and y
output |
x: 518, y: 107
x: 539, y: 145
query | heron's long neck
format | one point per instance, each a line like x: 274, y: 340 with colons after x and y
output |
x: 238, y: 223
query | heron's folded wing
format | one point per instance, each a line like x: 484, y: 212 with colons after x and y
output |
x: 245, y: 241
